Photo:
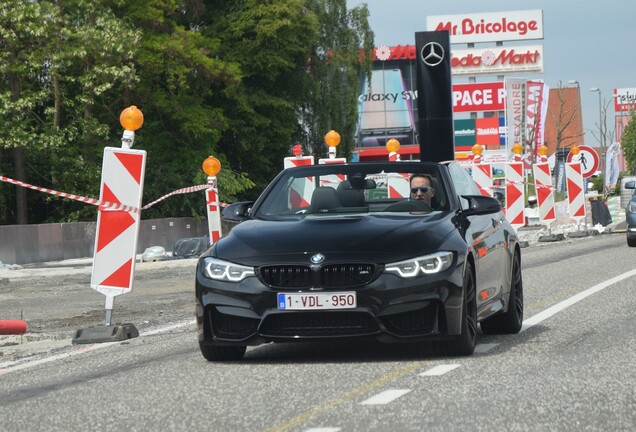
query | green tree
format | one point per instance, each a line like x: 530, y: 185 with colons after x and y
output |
x: 242, y: 80
x: 182, y: 73
x: 628, y: 143
x: 340, y: 57
x: 62, y: 68
x: 23, y: 33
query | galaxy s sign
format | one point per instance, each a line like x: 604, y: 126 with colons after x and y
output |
x: 472, y: 97
x: 489, y: 27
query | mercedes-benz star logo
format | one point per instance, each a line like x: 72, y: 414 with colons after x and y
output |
x: 317, y: 259
x: 432, y: 54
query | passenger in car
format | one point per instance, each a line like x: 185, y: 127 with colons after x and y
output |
x: 422, y: 187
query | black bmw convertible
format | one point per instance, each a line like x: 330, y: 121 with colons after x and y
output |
x: 341, y: 251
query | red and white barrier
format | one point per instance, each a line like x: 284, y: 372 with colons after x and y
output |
x: 300, y: 194
x: 576, y: 195
x: 332, y: 180
x: 398, y: 185
x: 214, y: 210
x: 545, y: 195
x: 515, y: 194
x: 117, y: 230
x: 295, y: 161
x: 482, y: 175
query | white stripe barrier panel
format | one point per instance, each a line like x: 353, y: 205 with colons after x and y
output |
x: 117, y: 230
x: 332, y: 180
x: 545, y: 195
x: 515, y: 194
x: 300, y: 193
x: 576, y: 196
x: 398, y: 185
x: 214, y: 211
x: 482, y: 175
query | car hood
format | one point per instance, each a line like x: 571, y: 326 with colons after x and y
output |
x: 357, y: 238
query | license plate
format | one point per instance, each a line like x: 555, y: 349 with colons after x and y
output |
x: 316, y: 301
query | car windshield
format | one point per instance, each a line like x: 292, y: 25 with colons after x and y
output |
x: 346, y: 189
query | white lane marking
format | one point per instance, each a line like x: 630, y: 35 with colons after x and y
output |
x: 553, y: 310
x: 324, y: 429
x: 485, y: 347
x: 8, y: 367
x: 385, y: 397
x: 440, y: 370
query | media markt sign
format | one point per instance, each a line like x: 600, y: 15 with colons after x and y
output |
x: 497, y: 60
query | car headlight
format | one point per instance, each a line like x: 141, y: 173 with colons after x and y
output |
x: 226, y: 271
x: 428, y: 264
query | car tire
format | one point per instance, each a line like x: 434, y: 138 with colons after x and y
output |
x: 509, y: 322
x: 631, y: 242
x: 222, y: 353
x: 464, y: 343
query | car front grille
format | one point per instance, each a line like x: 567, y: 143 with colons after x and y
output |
x: 318, y: 324
x: 286, y: 276
x: 327, y: 276
x: 337, y: 275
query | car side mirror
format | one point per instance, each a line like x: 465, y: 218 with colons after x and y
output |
x: 237, y: 212
x: 481, y: 205
x: 630, y: 184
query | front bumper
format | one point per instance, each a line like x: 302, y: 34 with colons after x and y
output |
x: 389, y: 309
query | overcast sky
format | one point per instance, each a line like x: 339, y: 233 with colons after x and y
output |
x: 592, y: 42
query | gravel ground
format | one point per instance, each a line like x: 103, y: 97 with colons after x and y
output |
x: 55, y: 299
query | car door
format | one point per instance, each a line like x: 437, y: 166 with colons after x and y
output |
x: 485, y: 235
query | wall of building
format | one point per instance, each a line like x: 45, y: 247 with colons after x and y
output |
x: 23, y: 244
x: 564, y: 115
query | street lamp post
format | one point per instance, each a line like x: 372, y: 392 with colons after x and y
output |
x: 601, y: 137
x: 579, y: 117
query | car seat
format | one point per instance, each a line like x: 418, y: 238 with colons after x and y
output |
x: 350, y: 197
x: 324, y: 199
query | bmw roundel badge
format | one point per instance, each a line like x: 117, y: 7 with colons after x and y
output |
x: 317, y: 259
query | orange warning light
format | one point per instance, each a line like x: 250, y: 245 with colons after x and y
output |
x: 332, y: 138
x: 393, y: 145
x: 211, y: 166
x: 131, y: 118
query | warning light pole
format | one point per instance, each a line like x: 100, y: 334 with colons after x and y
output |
x: 393, y: 147
x: 117, y: 230
x: 212, y: 166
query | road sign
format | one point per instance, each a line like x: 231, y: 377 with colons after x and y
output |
x: 589, y: 160
x: 117, y: 230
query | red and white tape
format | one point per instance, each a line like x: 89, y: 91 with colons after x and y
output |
x: 93, y: 201
x: 106, y: 204
x: 177, y: 192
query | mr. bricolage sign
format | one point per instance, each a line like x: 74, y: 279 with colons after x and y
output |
x: 490, y: 26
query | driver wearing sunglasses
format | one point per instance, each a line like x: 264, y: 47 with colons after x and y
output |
x: 422, y: 188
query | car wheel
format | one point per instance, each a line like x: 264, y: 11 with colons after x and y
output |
x: 464, y: 343
x: 631, y: 242
x: 222, y: 353
x: 512, y: 320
